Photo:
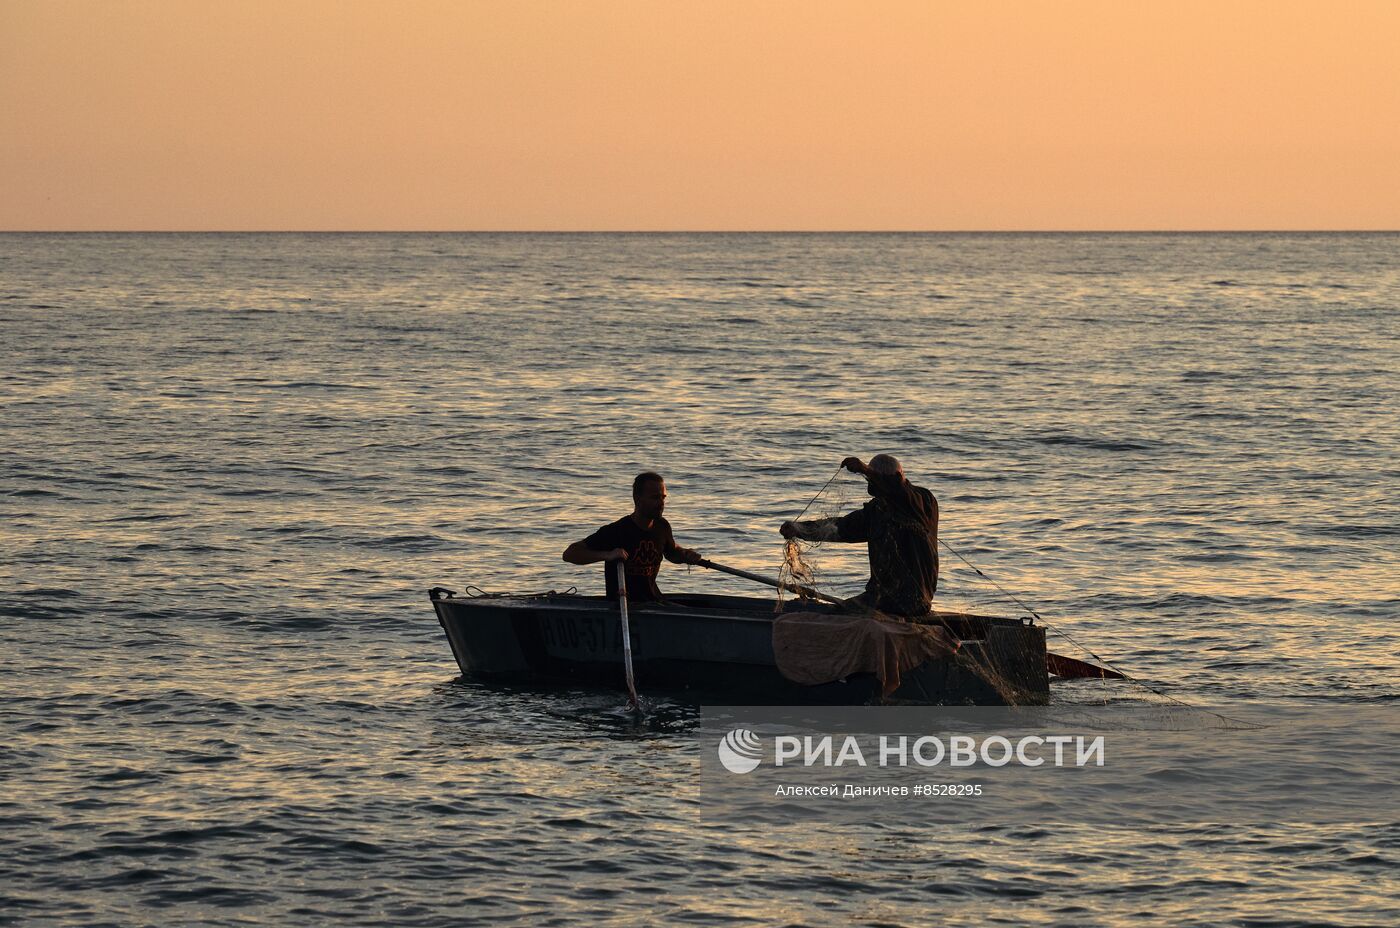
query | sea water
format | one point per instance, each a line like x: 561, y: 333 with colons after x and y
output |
x: 234, y: 464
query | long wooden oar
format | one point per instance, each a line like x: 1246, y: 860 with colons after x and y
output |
x: 626, y: 635
x: 776, y: 584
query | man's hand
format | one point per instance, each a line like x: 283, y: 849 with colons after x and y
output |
x: 617, y: 554
x: 855, y: 465
x: 787, y: 530
x: 691, y: 557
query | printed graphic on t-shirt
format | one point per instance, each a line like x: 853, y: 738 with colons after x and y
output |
x: 646, y: 561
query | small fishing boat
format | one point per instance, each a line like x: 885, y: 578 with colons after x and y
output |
x: 718, y: 649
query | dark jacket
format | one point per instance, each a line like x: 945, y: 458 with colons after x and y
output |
x: 900, y: 525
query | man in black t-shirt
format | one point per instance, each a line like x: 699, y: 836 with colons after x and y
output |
x: 900, y: 525
x: 641, y: 539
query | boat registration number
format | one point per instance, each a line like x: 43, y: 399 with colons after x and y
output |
x: 568, y: 635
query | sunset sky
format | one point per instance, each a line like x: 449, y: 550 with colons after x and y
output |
x: 699, y: 114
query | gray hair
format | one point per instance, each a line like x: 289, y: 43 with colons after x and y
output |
x: 886, y: 464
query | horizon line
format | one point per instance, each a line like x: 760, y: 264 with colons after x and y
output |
x: 1299, y: 231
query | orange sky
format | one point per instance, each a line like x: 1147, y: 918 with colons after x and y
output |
x: 699, y: 114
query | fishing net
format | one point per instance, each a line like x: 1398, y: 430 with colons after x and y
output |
x: 870, y: 576
x: 974, y: 610
x: 805, y: 562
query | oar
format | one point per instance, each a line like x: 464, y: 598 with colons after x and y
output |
x: 776, y: 584
x: 1072, y: 668
x: 626, y: 635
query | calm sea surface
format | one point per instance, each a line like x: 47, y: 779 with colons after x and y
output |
x: 233, y: 464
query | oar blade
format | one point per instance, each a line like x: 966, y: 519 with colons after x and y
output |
x: 1074, y: 669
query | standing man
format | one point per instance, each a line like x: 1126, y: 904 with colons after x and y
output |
x: 641, y: 539
x: 900, y: 525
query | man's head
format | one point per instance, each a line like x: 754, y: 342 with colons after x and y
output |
x: 883, y: 467
x: 886, y: 465
x: 649, y: 495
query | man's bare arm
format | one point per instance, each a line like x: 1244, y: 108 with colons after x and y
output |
x: 579, y: 553
x: 679, y: 555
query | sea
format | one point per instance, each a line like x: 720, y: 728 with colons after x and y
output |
x: 234, y: 464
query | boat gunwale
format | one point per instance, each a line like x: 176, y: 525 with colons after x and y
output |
x: 574, y: 602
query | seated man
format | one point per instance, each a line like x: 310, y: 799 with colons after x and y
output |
x: 900, y: 525
x: 641, y: 539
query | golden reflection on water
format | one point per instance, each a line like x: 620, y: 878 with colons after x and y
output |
x: 236, y: 465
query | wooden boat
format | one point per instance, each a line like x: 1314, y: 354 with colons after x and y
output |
x: 719, y: 650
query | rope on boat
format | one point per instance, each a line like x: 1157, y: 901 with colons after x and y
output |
x: 476, y: 592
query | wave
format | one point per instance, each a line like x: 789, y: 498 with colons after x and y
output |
x: 1096, y: 443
